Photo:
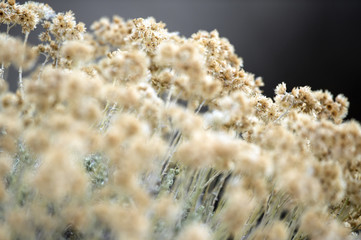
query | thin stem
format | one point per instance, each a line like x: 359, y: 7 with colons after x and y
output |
x: 197, y: 190
x: 108, y: 113
x: 105, y: 124
x: 20, y: 82
x: 43, y: 65
x: 174, y: 143
x: 285, y: 113
x: 215, y: 197
x: 2, y: 70
x: 211, y: 179
x: 200, y: 107
x: 170, y: 152
x: 169, y: 96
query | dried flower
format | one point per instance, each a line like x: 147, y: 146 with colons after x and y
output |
x: 133, y: 132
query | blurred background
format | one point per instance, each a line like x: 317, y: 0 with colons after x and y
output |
x: 299, y: 42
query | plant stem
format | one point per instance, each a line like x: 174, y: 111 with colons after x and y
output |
x: 2, y: 70
x: 20, y: 82
x: 43, y: 65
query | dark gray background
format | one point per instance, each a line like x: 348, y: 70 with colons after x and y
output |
x: 299, y: 42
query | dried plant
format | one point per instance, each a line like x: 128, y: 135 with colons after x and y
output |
x: 128, y: 131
